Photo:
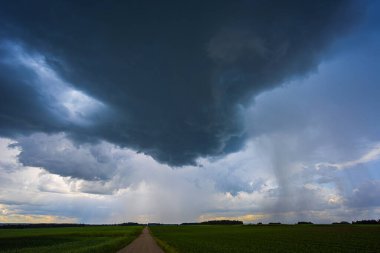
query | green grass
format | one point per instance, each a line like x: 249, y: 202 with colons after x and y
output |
x: 281, y: 238
x: 94, y: 239
x: 166, y: 247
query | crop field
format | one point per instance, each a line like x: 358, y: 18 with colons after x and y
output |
x: 267, y: 238
x: 94, y: 239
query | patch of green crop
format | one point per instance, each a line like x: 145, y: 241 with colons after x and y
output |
x: 166, y: 247
x: 281, y: 238
x: 91, y: 239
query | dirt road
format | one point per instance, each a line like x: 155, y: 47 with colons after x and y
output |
x: 142, y: 244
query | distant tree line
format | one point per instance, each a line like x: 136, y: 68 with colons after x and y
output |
x: 130, y: 224
x: 305, y: 223
x: 274, y: 223
x: 41, y: 225
x: 341, y: 223
x: 60, y: 225
x: 215, y: 222
x: 211, y: 222
x: 366, y: 222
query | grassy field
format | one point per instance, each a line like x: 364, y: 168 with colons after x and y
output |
x: 265, y: 238
x: 94, y: 239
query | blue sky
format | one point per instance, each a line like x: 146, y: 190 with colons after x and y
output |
x: 238, y: 120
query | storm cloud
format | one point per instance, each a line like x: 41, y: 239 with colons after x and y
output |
x: 270, y: 108
x: 165, y: 78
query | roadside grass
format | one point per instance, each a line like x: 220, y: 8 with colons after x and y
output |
x: 164, y: 246
x: 91, y: 239
x: 267, y: 238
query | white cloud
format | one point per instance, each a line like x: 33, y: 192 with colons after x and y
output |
x: 371, y: 155
x: 140, y: 189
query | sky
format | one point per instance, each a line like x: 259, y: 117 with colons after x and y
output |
x: 181, y: 111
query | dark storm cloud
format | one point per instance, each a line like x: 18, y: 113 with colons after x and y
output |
x: 174, y: 73
x: 20, y: 104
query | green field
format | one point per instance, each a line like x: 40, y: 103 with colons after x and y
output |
x: 94, y: 239
x: 265, y: 238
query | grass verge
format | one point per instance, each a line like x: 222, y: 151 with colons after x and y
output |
x: 164, y: 246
